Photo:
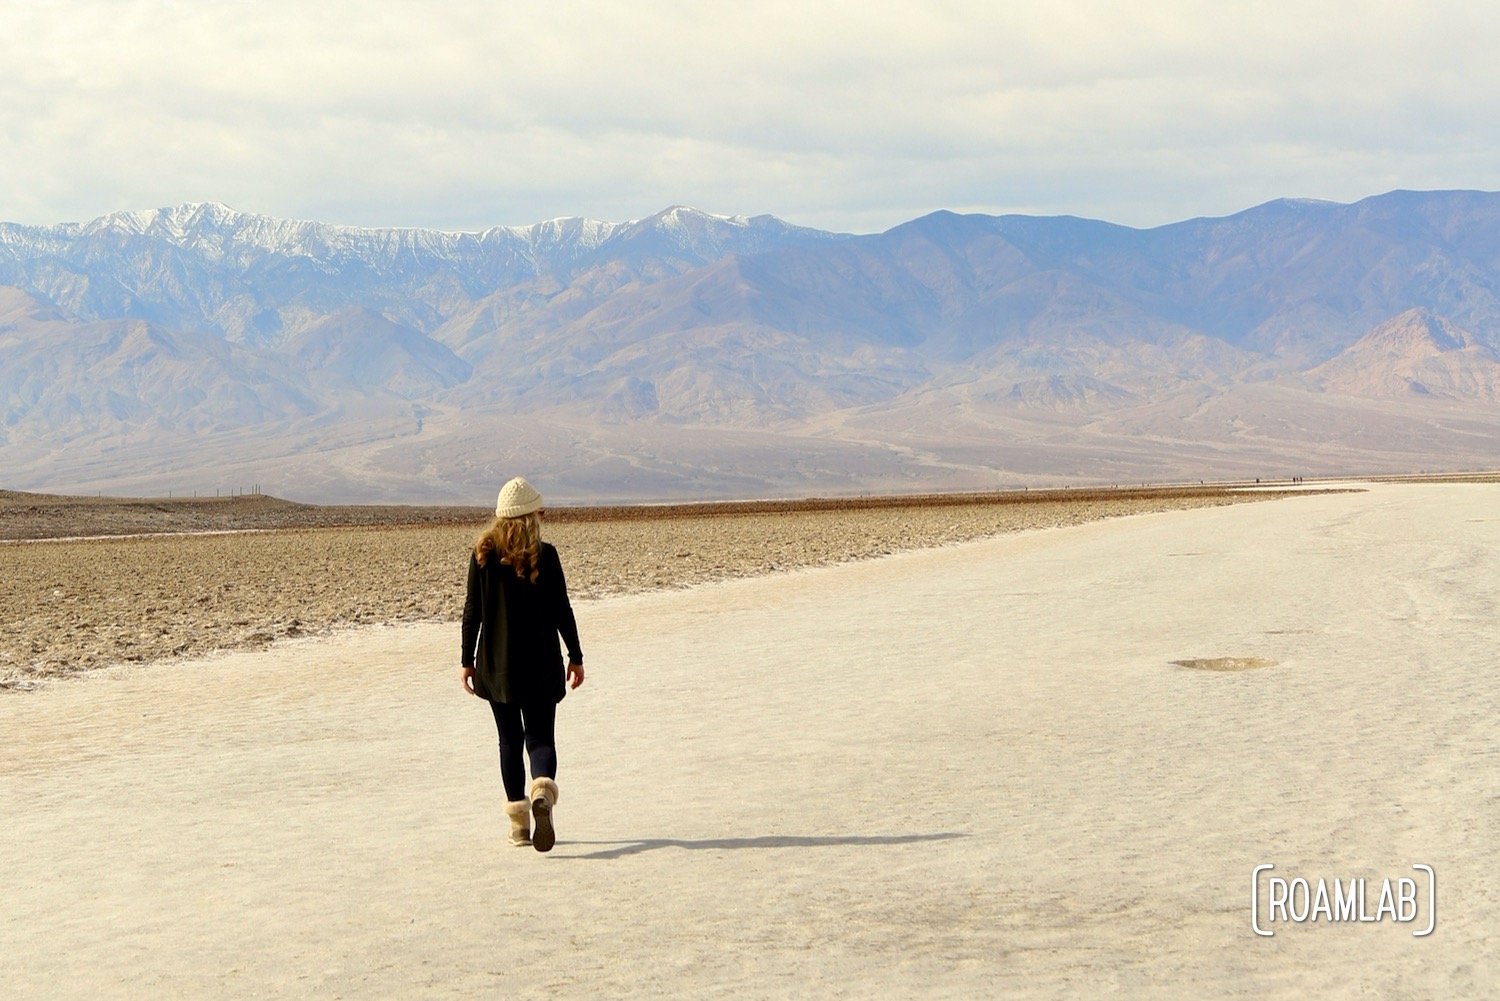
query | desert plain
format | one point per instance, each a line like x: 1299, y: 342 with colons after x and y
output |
x: 981, y: 759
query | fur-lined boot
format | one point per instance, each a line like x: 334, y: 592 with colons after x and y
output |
x: 519, y: 812
x: 543, y: 799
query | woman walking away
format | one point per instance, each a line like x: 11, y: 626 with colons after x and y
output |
x: 517, y: 606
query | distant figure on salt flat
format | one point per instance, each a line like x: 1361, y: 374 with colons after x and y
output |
x: 516, y: 607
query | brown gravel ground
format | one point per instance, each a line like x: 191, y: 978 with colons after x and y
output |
x: 52, y: 516
x: 73, y: 605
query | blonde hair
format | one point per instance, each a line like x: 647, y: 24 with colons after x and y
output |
x: 518, y: 541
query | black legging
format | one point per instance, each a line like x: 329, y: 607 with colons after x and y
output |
x: 532, y: 726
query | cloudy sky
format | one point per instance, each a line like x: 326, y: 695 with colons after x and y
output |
x: 843, y: 115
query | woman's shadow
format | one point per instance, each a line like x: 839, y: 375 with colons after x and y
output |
x: 624, y: 848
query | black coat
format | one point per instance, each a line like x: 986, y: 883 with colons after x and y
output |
x: 513, y: 626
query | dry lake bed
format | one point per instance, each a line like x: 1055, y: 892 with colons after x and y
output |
x: 1044, y: 763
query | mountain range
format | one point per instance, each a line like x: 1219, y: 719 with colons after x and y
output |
x: 691, y: 355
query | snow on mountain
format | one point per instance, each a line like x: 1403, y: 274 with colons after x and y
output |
x: 220, y: 233
x: 258, y: 279
x: 199, y: 319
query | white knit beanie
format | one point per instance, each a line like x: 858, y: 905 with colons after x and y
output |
x: 517, y: 498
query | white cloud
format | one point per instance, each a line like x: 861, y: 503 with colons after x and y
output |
x: 841, y: 114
